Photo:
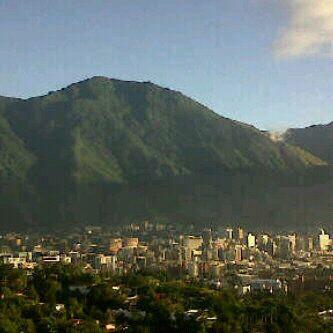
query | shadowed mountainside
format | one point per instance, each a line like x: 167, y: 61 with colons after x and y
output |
x: 317, y: 139
x: 110, y: 151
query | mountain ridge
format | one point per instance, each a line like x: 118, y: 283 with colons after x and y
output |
x: 112, y: 137
x: 316, y: 139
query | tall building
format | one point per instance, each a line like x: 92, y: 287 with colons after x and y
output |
x: 271, y: 248
x: 190, y: 244
x: 207, y: 237
x: 310, y: 244
x: 207, y: 244
x: 292, y: 239
x: 285, y: 247
x: 193, y: 269
x: 239, y: 235
x: 238, y: 253
x: 264, y: 239
x: 251, y: 240
x: 229, y: 233
x: 324, y: 241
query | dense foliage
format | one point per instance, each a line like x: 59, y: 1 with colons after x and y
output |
x: 64, y: 299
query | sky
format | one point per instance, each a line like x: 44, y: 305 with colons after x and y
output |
x: 264, y: 62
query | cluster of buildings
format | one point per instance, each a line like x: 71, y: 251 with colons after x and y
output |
x: 222, y: 257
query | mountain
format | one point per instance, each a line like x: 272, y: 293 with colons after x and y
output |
x: 109, y: 151
x: 317, y: 139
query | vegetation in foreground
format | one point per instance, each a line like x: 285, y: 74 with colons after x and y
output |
x: 66, y: 299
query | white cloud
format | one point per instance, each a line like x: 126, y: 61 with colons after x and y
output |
x: 310, y: 30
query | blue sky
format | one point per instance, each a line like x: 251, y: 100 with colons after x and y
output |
x: 264, y: 62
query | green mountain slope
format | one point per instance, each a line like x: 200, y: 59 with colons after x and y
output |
x: 83, y: 153
x: 316, y: 139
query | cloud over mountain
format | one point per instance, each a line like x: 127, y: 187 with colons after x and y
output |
x: 310, y: 30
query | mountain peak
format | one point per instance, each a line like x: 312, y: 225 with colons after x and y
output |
x: 75, y: 148
x: 104, y: 79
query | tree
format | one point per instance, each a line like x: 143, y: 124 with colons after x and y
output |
x: 8, y: 326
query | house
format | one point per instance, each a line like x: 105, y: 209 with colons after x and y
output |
x: 110, y: 327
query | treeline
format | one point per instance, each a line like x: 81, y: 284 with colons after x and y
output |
x: 68, y: 299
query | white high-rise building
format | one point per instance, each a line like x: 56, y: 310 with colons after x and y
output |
x: 324, y: 241
x: 251, y: 240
